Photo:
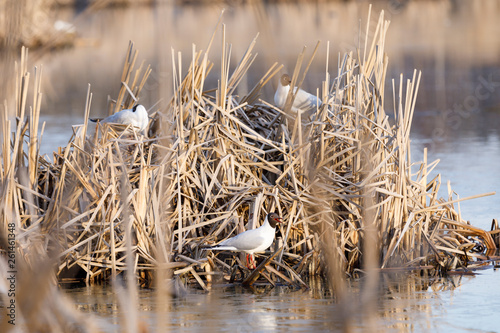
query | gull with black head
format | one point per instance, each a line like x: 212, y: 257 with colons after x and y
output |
x: 136, y: 116
x: 254, y: 240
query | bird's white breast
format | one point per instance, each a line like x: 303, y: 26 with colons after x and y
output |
x: 280, y: 95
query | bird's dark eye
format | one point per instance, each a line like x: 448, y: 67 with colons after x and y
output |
x: 135, y: 107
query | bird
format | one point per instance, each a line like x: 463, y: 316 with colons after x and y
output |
x: 304, y: 101
x: 254, y: 240
x: 137, y: 117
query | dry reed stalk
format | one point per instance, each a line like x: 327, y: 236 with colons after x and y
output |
x: 217, y: 162
x: 40, y: 305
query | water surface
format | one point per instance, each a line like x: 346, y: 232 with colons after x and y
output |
x: 405, y: 303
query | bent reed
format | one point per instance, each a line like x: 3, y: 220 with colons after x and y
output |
x: 215, y: 163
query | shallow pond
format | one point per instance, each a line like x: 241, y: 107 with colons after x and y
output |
x: 404, y: 303
x: 455, y: 43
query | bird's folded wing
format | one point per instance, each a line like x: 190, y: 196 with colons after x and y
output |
x: 245, y: 241
x: 306, y: 101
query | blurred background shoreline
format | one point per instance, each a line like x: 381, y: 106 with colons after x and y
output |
x: 454, y: 43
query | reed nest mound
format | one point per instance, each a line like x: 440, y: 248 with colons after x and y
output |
x: 215, y: 163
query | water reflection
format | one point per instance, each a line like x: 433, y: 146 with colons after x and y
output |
x: 406, y: 303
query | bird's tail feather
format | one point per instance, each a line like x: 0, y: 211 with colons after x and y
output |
x: 221, y: 248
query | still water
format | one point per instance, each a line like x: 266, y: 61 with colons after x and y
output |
x: 456, y: 44
x: 405, y: 303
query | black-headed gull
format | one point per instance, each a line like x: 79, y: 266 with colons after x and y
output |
x: 304, y: 101
x: 137, y: 117
x: 254, y: 240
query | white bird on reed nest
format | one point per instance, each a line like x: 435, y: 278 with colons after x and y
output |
x: 252, y: 241
x: 136, y: 116
x: 304, y: 101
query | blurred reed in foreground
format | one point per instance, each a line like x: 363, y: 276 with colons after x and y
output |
x: 112, y: 202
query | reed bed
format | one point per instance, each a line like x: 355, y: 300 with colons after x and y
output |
x: 113, y: 202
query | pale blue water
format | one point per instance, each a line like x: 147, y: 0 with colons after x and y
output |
x: 472, y: 165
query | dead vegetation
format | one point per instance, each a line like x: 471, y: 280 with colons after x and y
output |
x: 215, y: 163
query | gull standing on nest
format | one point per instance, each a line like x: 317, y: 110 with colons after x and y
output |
x: 252, y: 241
x: 304, y: 101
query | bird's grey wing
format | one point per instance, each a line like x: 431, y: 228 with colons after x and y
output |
x: 110, y: 119
x: 247, y: 240
x: 306, y: 101
x: 313, y: 100
x: 122, y: 117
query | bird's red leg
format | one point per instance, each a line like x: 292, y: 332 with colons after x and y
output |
x: 253, y: 266
x: 250, y: 263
